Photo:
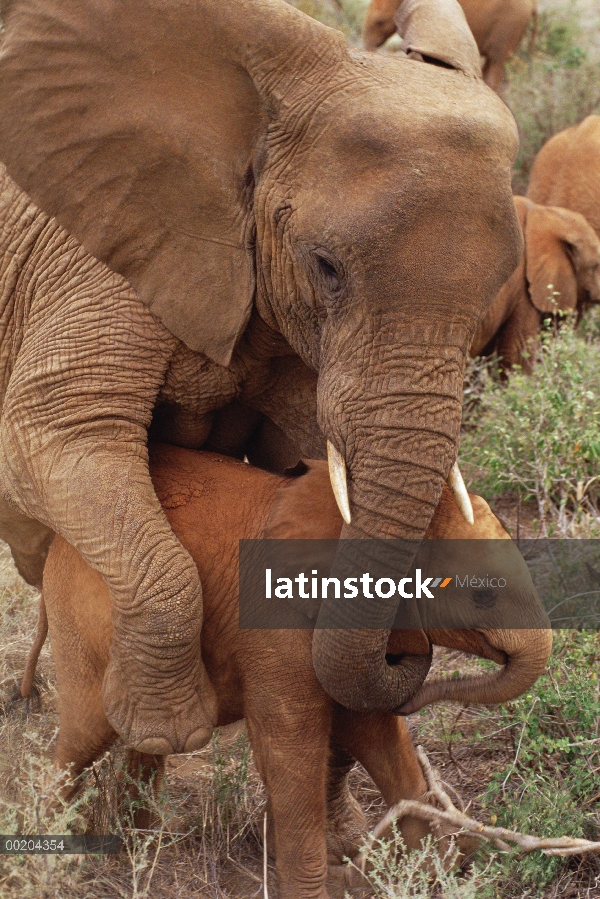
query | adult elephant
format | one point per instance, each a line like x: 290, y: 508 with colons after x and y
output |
x: 224, y: 199
x: 559, y: 271
x: 497, y: 26
x: 566, y: 171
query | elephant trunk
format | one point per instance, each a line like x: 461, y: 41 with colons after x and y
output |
x: 398, y: 455
x: 526, y: 651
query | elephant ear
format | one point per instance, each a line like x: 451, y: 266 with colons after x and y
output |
x: 436, y: 31
x: 550, y: 241
x: 136, y: 126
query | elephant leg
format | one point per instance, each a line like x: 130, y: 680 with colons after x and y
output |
x: 346, y: 822
x: 77, y: 610
x: 79, y: 747
x: 381, y: 743
x: 289, y: 733
x: 519, y: 339
x: 28, y: 540
x: 84, y: 733
x: 77, y: 462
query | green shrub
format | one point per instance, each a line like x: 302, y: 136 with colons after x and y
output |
x: 551, y: 786
x: 345, y: 15
x: 421, y: 874
x: 539, y: 434
x: 555, y: 87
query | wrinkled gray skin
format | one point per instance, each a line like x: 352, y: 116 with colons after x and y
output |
x: 243, y: 222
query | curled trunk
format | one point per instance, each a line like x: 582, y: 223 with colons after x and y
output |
x: 526, y: 653
x: 395, y: 479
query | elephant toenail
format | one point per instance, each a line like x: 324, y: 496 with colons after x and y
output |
x: 155, y: 746
x: 198, y: 739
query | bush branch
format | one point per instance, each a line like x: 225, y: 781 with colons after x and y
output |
x: 500, y: 837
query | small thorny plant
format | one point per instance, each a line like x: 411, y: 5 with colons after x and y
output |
x: 230, y: 778
x: 144, y: 845
x: 35, y: 807
x: 395, y: 873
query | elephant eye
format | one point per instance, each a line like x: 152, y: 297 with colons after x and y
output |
x: 328, y: 273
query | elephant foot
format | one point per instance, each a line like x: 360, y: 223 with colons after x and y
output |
x: 346, y: 828
x: 344, y: 881
x: 155, y: 718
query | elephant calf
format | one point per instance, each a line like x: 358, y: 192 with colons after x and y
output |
x: 560, y: 270
x: 566, y: 171
x: 304, y: 743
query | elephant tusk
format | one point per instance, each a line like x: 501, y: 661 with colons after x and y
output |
x: 459, y: 492
x: 337, y: 476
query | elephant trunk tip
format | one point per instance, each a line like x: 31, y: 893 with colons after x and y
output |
x: 512, y: 680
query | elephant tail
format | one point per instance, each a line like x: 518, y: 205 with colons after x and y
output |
x: 34, y: 653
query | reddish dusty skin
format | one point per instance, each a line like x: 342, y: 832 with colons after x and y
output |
x: 566, y: 171
x: 265, y: 676
x: 561, y: 249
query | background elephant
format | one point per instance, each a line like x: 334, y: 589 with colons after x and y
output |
x: 267, y: 675
x: 497, y: 26
x: 231, y: 215
x: 560, y: 270
x: 566, y: 171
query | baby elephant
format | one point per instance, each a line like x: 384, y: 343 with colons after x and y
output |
x: 303, y: 742
x: 560, y: 270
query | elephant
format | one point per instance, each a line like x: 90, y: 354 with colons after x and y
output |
x: 560, y: 270
x: 267, y: 675
x: 497, y: 26
x: 222, y: 225
x: 566, y: 171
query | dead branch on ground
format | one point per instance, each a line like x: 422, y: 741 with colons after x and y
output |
x: 447, y: 813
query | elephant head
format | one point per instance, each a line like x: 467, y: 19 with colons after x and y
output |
x: 230, y: 156
x: 304, y: 510
x: 521, y: 651
x: 559, y: 272
x: 562, y: 259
